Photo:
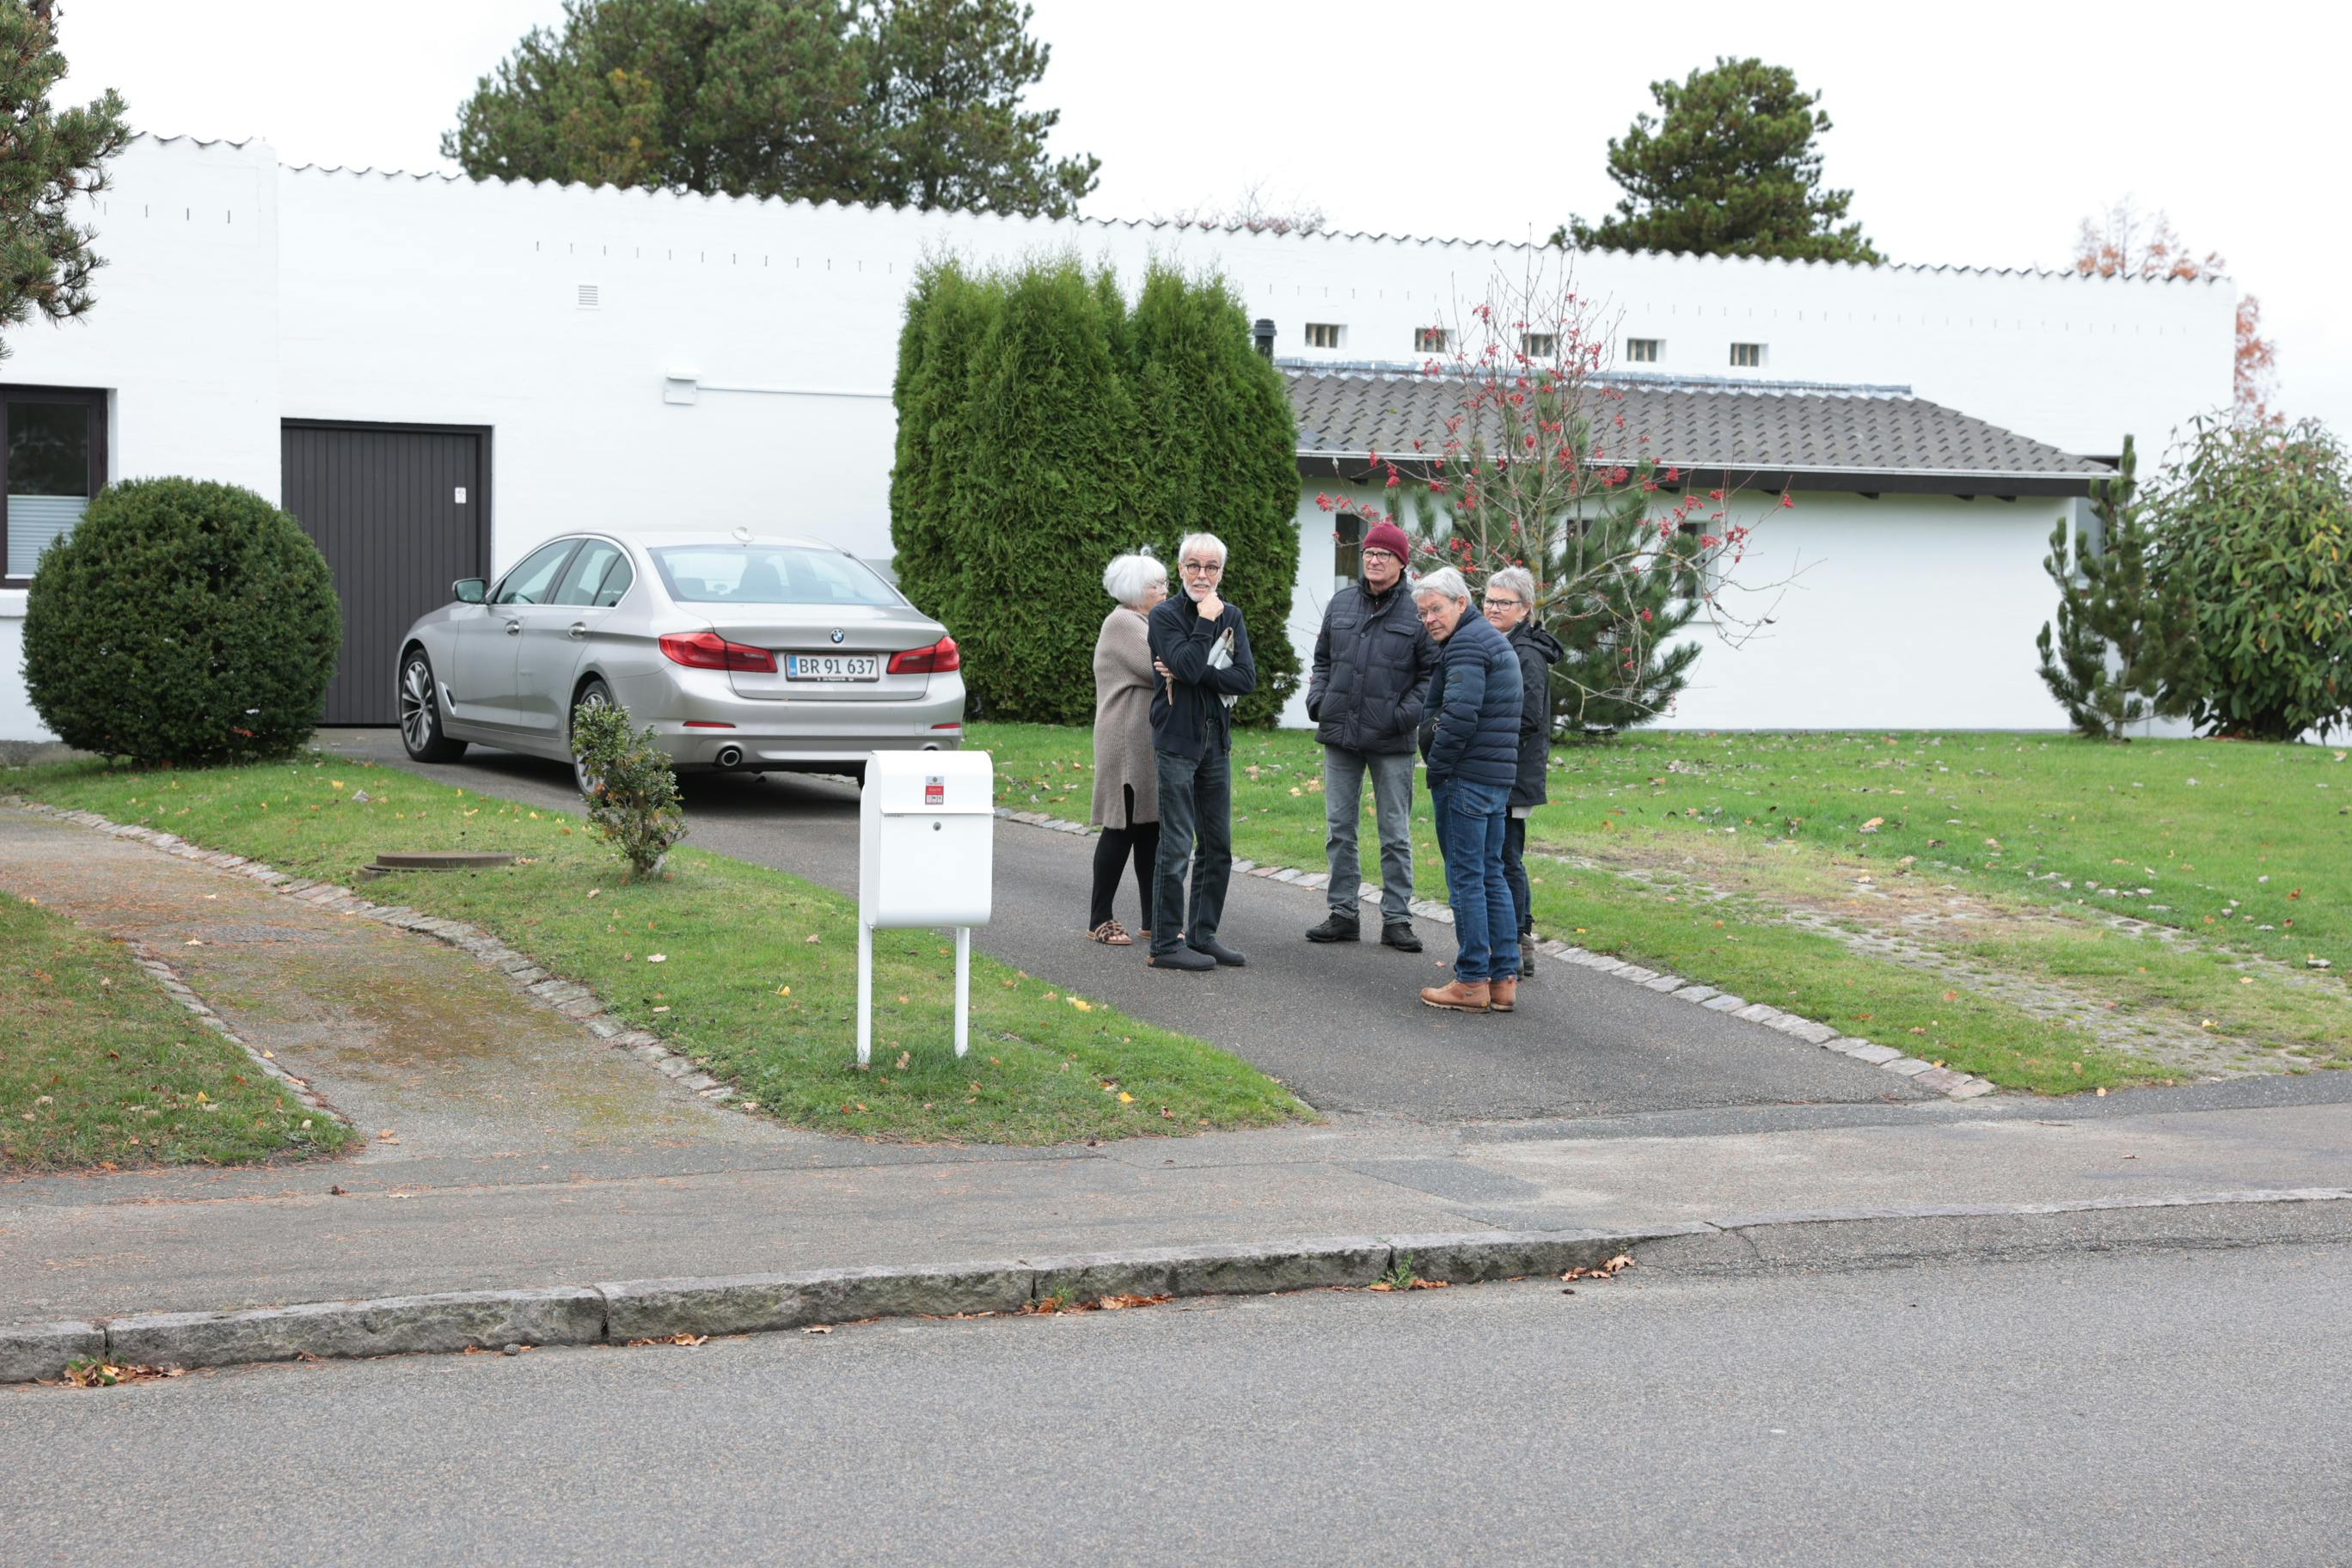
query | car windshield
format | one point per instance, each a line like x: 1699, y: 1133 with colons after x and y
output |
x: 768, y: 575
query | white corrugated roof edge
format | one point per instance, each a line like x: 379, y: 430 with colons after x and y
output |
x: 1324, y: 235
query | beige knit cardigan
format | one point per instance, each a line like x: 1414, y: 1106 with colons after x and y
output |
x: 1123, y: 681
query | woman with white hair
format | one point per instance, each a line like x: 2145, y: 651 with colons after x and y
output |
x: 1509, y: 602
x: 1127, y: 782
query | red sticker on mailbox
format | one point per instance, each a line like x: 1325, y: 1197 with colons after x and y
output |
x: 935, y: 790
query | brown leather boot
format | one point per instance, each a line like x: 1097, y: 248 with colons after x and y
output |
x: 1456, y: 996
x: 1503, y: 995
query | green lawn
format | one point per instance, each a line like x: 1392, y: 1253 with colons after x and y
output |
x: 1998, y: 853
x: 102, y: 1068
x: 750, y: 972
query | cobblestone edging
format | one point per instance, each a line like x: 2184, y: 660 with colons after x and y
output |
x: 184, y: 995
x: 1943, y: 1080
x: 640, y: 1311
x: 572, y: 1000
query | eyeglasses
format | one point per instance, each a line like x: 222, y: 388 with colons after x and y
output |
x: 1203, y: 568
x: 1372, y: 555
x: 1503, y: 601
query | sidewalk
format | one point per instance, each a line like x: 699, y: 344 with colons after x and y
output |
x: 503, y: 1177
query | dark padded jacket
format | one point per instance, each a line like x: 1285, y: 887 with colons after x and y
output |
x: 1470, y: 729
x: 1188, y: 715
x: 1538, y: 650
x: 1373, y: 661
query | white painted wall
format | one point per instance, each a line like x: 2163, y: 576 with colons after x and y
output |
x: 240, y: 293
x: 183, y: 335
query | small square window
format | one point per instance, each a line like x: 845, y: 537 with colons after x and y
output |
x: 1643, y: 351
x: 1325, y: 334
x: 1539, y: 346
x: 1748, y: 356
x: 1346, y: 548
x: 1429, y: 339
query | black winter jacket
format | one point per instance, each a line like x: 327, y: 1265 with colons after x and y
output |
x: 1373, y: 659
x: 1188, y: 714
x: 1470, y: 729
x: 1538, y: 650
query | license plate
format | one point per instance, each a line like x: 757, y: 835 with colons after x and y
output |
x: 832, y: 667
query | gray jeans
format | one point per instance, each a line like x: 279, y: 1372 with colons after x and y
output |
x: 1343, y: 804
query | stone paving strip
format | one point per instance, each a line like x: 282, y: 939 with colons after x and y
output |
x: 1927, y: 1075
x: 571, y: 1000
x: 637, y: 1310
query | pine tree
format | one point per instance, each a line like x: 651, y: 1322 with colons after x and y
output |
x: 1626, y: 591
x: 1218, y: 451
x: 2126, y: 648
x: 55, y: 158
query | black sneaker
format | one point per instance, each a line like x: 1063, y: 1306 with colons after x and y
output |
x: 1399, y: 936
x: 1182, y: 958
x: 1217, y: 952
x: 1336, y: 928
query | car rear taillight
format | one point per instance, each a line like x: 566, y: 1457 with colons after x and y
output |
x: 709, y: 650
x: 937, y: 660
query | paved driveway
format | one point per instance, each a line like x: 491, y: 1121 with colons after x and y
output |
x: 1342, y: 1026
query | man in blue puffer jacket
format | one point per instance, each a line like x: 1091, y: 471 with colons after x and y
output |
x: 1474, y: 759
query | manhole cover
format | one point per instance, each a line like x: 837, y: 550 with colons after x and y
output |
x: 441, y: 860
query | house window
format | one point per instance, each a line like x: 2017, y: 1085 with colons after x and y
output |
x: 1346, y: 548
x: 1539, y: 346
x: 1429, y: 339
x: 55, y: 442
x: 1748, y: 356
x: 1643, y: 351
x: 1325, y: 334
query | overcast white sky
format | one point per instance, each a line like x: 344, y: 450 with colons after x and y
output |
x: 1970, y: 133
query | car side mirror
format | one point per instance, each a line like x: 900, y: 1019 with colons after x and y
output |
x: 470, y: 590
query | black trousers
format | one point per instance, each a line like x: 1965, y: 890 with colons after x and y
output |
x: 1113, y: 850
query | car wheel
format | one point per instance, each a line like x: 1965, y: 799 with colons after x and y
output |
x: 420, y: 713
x: 595, y: 694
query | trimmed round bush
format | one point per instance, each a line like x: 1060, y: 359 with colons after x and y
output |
x: 183, y: 623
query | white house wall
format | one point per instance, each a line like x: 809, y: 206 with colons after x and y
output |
x: 240, y: 293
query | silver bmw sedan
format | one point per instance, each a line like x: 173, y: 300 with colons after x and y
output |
x: 742, y: 651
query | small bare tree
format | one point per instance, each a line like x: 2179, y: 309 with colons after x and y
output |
x: 1537, y: 464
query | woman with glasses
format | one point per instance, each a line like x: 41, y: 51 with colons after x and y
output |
x: 1509, y: 602
x: 1127, y: 784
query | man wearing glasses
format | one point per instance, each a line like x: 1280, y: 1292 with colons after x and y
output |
x: 1202, y: 651
x: 1373, y: 661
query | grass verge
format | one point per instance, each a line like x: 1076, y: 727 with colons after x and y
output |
x: 748, y: 970
x: 102, y: 1068
x: 2244, y: 851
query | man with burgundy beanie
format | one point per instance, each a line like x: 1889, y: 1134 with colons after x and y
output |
x: 1373, y: 661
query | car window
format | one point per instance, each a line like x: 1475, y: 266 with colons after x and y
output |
x: 530, y: 582
x: 769, y: 574
x: 583, y: 580
x: 616, y: 583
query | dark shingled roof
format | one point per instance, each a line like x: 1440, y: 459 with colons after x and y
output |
x: 1805, y: 436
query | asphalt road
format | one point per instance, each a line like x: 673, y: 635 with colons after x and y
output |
x: 2111, y: 1408
x: 1343, y: 1025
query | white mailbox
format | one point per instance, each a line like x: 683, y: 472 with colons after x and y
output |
x: 926, y: 858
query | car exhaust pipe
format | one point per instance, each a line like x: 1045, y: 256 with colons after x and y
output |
x: 731, y: 756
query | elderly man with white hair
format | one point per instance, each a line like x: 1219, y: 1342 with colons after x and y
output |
x: 1202, y: 651
x: 1474, y: 757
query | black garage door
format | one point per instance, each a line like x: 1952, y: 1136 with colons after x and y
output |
x: 399, y: 511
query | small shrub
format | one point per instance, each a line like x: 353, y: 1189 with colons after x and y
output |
x: 181, y: 623
x: 633, y: 791
x: 2255, y: 530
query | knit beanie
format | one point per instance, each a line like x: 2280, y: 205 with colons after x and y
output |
x: 1388, y: 536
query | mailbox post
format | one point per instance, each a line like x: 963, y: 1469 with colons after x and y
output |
x: 926, y: 859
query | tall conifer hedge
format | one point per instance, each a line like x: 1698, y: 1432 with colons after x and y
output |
x: 1044, y: 428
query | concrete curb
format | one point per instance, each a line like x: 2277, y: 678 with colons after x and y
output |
x: 618, y: 1312
x: 1927, y: 1075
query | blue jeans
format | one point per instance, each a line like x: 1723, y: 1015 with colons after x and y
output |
x: 1471, y: 825
x: 1196, y: 834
